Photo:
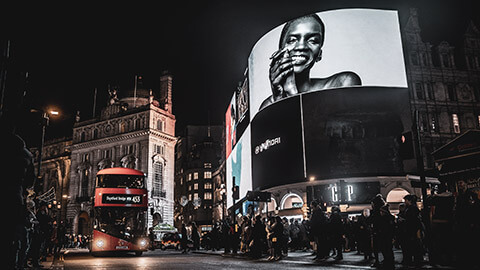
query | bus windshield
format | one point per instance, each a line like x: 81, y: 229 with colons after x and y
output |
x: 120, y: 181
x: 121, y: 222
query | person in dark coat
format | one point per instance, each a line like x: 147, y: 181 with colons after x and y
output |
x: 374, y: 222
x: 184, y: 239
x: 319, y: 230
x: 195, y: 236
x: 337, y: 231
x: 413, y: 231
x: 364, y: 235
x: 258, y: 238
x: 385, y: 231
x: 277, y: 238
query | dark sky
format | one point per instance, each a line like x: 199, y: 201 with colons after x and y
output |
x: 70, y: 50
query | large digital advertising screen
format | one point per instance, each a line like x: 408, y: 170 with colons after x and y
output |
x: 328, y: 98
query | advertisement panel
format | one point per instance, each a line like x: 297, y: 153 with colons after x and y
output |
x: 230, y: 126
x: 328, y: 98
x: 331, y: 49
x: 239, y: 165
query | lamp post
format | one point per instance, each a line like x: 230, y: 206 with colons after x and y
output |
x: 44, y: 121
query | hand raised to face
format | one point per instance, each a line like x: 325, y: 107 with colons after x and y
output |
x: 282, y: 79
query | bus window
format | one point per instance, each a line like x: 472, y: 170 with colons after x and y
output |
x: 120, y: 181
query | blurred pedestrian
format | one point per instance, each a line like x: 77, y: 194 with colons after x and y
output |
x: 337, y: 232
x: 413, y: 232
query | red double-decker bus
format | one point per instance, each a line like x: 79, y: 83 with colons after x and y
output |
x: 120, y: 208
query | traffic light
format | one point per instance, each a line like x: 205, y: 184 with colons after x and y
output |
x: 236, y: 192
x: 406, y: 149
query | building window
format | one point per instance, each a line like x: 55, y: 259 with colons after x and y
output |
x: 423, y: 122
x: 424, y: 59
x: 478, y: 117
x: 433, y: 123
x: 157, y: 180
x: 85, y: 157
x: 445, y: 60
x: 160, y: 125
x: 107, y: 153
x: 189, y: 197
x: 129, y: 149
x: 414, y: 58
x: 207, y: 185
x: 456, y: 123
x: 430, y: 92
x: 95, y: 134
x: 207, y: 196
x: 189, y: 188
x: 419, y: 91
x: 195, y: 175
x: 452, y: 93
x: 207, y: 165
x: 84, y: 183
x: 195, y: 186
x: 189, y: 177
x: 195, y: 196
x: 207, y: 174
x: 159, y: 149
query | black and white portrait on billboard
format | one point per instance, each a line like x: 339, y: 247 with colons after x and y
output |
x: 326, y: 50
x: 300, y: 47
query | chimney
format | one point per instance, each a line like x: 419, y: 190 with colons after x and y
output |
x: 166, y: 91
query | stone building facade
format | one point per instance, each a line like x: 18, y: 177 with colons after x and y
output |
x: 136, y: 131
x: 444, y: 83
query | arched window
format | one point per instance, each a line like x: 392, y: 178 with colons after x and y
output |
x: 291, y: 200
x: 158, y: 179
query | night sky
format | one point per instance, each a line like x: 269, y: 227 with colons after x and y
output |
x: 70, y: 50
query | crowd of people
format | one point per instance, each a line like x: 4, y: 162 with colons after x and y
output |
x: 41, y: 236
x: 375, y: 231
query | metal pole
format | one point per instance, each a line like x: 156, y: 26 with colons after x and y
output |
x: 44, y: 123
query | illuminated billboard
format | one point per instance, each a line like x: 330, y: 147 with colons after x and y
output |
x: 328, y: 98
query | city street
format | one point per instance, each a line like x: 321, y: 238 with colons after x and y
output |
x: 81, y: 259
x: 199, y: 260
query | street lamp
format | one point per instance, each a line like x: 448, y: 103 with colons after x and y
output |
x: 44, y: 123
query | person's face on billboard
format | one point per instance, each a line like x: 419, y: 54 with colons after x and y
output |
x: 303, y: 38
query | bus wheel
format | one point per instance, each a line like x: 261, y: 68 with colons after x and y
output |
x: 138, y: 253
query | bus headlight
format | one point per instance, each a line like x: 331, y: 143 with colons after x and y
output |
x: 143, y: 243
x: 99, y: 243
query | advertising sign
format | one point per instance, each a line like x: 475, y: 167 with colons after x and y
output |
x: 328, y: 98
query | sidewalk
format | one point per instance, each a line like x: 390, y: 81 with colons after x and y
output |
x: 350, y: 259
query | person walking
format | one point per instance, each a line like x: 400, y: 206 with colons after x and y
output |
x: 195, y: 236
x: 386, y: 229
x: 184, y: 239
x: 337, y: 232
x: 413, y: 232
x: 319, y: 230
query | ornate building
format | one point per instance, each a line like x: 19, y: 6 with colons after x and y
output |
x: 444, y: 83
x: 135, y: 131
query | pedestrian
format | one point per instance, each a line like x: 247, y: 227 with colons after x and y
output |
x: 467, y: 227
x: 17, y: 166
x: 184, y: 239
x: 277, y: 235
x: 337, y: 232
x: 285, y: 237
x: 195, y: 236
x: 364, y: 235
x: 258, y: 239
x: 319, y: 232
x: 385, y: 233
x: 413, y: 232
x: 374, y: 223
